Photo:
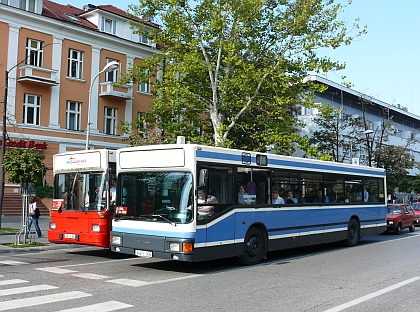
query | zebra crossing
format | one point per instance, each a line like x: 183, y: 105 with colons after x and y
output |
x: 17, y: 287
x: 36, y: 300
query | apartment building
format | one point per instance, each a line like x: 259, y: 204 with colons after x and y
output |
x: 403, y: 122
x: 52, y: 57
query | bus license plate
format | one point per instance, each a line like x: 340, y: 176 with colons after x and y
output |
x: 73, y: 236
x: 144, y: 254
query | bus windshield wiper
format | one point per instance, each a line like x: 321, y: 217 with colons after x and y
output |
x: 164, y: 218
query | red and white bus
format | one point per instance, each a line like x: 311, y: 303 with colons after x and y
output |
x: 82, y: 208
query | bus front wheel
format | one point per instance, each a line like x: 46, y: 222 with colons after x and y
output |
x: 353, y: 233
x: 254, y: 249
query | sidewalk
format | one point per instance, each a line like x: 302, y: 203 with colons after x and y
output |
x: 15, y: 223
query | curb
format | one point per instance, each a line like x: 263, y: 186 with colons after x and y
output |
x: 7, y: 249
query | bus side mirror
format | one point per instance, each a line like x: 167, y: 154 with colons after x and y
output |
x: 202, y: 181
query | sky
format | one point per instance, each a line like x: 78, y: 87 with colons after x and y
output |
x: 383, y: 64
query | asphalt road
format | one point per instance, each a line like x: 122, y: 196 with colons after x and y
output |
x: 380, y: 274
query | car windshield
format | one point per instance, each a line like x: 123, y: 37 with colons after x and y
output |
x: 156, y: 196
x: 394, y: 209
x: 416, y: 206
x: 83, y: 191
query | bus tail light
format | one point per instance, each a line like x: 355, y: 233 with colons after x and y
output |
x: 96, y: 228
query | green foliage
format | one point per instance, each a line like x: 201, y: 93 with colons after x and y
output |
x: 337, y: 134
x: 405, y: 185
x: 396, y: 160
x: 24, y: 165
x: 42, y: 191
x: 232, y: 71
x: 416, y: 184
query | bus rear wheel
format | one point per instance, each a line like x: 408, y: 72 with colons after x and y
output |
x: 254, y: 247
x: 353, y: 233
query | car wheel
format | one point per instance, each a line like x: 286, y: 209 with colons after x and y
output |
x: 254, y: 247
x: 398, y: 229
x: 412, y: 228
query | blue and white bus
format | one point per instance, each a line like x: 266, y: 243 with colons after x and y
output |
x: 160, y: 214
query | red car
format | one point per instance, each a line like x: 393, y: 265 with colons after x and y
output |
x: 400, y: 216
x: 416, y: 207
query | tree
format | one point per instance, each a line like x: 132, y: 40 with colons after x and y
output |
x: 24, y: 166
x: 232, y: 71
x: 336, y: 134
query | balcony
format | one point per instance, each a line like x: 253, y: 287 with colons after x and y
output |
x: 38, y: 75
x: 124, y: 91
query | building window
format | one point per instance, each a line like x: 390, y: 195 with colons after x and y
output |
x: 142, y: 124
x: 112, y: 76
x: 4, y: 2
x: 109, y: 26
x: 34, y: 52
x: 75, y: 64
x: 110, y: 120
x: 28, y: 5
x: 31, y: 108
x: 73, y: 115
x: 145, y: 87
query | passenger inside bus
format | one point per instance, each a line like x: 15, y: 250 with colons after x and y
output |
x: 241, y: 193
x: 319, y: 199
x: 289, y: 198
x: 276, y: 199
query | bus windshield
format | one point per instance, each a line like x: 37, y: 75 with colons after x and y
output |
x: 156, y: 196
x: 84, y: 191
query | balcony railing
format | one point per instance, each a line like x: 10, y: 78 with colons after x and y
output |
x: 108, y: 89
x: 38, y: 75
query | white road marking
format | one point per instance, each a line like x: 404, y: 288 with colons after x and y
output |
x: 33, y: 301
x: 56, y: 270
x: 128, y: 282
x: 137, y: 283
x: 12, y: 281
x: 90, y: 276
x: 11, y: 262
x: 21, y: 290
x: 100, y: 307
x: 372, y: 295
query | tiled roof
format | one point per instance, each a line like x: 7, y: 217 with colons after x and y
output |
x: 72, y: 14
x: 63, y: 13
x: 115, y: 10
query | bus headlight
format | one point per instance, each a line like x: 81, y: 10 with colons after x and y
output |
x: 184, y: 247
x: 174, y: 247
x: 53, y: 225
x: 96, y: 228
x: 116, y: 240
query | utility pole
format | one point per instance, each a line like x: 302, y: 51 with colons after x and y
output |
x: 3, y: 144
x: 4, y: 135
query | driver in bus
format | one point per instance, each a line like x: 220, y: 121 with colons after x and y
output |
x: 203, y: 198
x: 205, y: 211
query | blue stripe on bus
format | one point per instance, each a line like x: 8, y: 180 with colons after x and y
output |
x: 298, y: 222
x: 133, y: 230
x: 328, y: 166
x: 234, y: 227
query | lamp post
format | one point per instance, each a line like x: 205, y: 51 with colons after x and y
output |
x: 367, y: 133
x: 108, y: 67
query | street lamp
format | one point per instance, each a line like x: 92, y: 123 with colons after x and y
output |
x: 367, y: 133
x: 108, y: 67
